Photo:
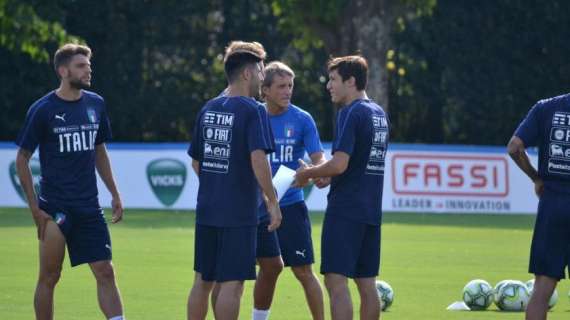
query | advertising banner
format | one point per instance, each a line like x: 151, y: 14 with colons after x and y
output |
x: 418, y: 178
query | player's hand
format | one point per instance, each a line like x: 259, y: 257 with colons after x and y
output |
x: 301, y: 178
x: 274, y: 215
x: 322, y: 182
x: 41, y: 219
x: 117, y: 210
x: 538, y: 187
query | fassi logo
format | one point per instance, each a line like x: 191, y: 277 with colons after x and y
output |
x: 448, y: 175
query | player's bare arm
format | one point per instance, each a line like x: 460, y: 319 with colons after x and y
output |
x: 25, y: 175
x: 517, y: 152
x: 103, y: 166
x: 196, y: 167
x: 262, y: 172
x: 334, y: 167
x: 318, y: 158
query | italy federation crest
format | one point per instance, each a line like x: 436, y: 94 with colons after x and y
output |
x: 289, y: 130
x: 92, y: 115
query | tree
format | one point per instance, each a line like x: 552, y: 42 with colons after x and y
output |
x: 345, y: 27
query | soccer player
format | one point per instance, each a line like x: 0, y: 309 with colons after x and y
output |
x: 231, y: 138
x: 351, y: 228
x: 547, y: 126
x: 295, y: 133
x: 70, y: 126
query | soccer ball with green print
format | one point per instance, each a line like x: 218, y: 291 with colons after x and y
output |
x: 385, y: 293
x: 512, y: 296
x: 478, y: 294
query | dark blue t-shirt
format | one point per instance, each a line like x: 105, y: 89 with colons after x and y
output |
x: 295, y: 133
x: 227, y: 130
x: 547, y: 125
x: 362, y: 133
x: 67, y: 133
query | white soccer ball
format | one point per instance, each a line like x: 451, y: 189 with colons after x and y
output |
x: 385, y: 293
x: 553, y: 298
x: 513, y: 296
x: 478, y: 294
x: 498, y: 287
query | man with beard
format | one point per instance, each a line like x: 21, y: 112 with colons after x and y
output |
x: 70, y: 126
x: 231, y: 138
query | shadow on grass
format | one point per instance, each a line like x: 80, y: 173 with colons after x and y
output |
x: 19, y: 217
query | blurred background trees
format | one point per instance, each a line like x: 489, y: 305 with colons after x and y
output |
x: 447, y: 71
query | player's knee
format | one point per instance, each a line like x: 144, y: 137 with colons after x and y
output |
x: 335, y: 284
x: 104, y: 273
x: 272, y: 267
x: 50, y: 277
x: 303, y: 273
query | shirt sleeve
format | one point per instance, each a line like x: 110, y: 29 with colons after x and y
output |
x: 195, y: 150
x: 346, y: 133
x: 259, y: 133
x: 32, y: 131
x: 311, y: 138
x: 104, y: 132
x: 529, y: 129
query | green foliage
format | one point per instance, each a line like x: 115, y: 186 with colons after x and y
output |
x: 458, y: 72
x: 475, y: 69
x: 22, y: 30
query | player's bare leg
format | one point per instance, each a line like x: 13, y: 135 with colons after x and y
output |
x: 107, y: 290
x: 228, y: 301
x: 312, y: 288
x: 214, y: 297
x: 52, y: 251
x: 264, y: 289
x: 341, y: 303
x: 538, y: 305
x: 198, y: 298
x: 369, y: 300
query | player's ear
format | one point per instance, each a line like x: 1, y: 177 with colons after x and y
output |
x: 351, y: 82
x: 246, y: 73
x: 62, y: 71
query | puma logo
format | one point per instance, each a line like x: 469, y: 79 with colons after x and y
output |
x: 301, y: 253
x: 60, y: 117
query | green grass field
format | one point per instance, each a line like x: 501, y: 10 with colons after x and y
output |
x: 426, y: 258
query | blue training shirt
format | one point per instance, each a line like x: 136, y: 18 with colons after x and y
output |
x: 227, y: 130
x: 295, y: 133
x: 361, y: 132
x: 67, y: 133
x: 547, y: 125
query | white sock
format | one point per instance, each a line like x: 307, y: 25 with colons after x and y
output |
x: 117, y: 318
x: 260, y: 314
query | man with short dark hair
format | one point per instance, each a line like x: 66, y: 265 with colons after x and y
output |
x: 231, y: 138
x: 351, y: 229
x: 547, y: 126
x: 70, y: 126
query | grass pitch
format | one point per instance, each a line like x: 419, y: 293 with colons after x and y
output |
x: 426, y: 258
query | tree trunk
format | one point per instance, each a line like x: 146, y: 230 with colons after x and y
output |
x: 365, y: 27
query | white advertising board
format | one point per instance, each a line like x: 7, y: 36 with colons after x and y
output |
x: 418, y: 178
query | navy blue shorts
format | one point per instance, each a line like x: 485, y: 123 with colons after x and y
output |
x: 295, y: 235
x: 267, y: 243
x: 225, y: 254
x: 550, y: 249
x: 85, y: 232
x: 350, y: 248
